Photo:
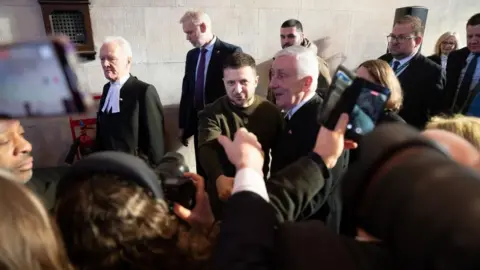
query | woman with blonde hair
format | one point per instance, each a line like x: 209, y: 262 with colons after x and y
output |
x: 467, y: 127
x: 29, y: 238
x: 379, y: 72
x: 446, y: 43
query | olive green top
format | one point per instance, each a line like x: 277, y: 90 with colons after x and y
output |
x: 222, y: 117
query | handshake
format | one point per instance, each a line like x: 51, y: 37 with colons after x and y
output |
x: 246, y: 152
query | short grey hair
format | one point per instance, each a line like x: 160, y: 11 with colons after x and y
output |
x: 122, y: 42
x: 306, y: 62
x: 196, y: 17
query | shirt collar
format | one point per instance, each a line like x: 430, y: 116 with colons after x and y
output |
x: 471, y: 55
x: 121, y: 81
x: 405, y: 60
x: 299, y: 105
x: 210, y: 45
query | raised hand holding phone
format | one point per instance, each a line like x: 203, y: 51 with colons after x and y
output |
x: 38, y: 79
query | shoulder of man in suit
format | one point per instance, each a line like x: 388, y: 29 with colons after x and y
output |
x: 140, y: 83
x: 426, y: 62
x: 461, y: 53
x: 226, y: 45
x: 386, y: 57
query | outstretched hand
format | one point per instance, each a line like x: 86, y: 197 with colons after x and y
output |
x: 244, y: 151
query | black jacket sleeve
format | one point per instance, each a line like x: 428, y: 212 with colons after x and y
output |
x: 292, y: 189
x: 182, y: 115
x: 246, y: 238
x: 151, y: 137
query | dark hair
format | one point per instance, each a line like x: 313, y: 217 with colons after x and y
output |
x: 108, y: 222
x: 415, y: 21
x: 293, y: 23
x: 238, y: 60
x: 474, y: 20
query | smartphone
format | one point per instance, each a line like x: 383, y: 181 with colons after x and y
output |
x: 38, y: 79
x: 363, y: 101
x: 341, y: 80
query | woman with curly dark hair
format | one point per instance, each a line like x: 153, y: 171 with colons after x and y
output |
x: 108, y: 222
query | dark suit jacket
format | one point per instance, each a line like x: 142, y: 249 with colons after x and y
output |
x: 435, y: 58
x: 248, y: 240
x: 455, y: 63
x: 139, y: 126
x: 292, y: 189
x: 297, y: 140
x: 423, y: 82
x: 214, y: 87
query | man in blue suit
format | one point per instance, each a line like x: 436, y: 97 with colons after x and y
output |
x: 203, y: 80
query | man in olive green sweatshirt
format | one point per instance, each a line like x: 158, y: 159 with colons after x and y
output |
x: 239, y: 108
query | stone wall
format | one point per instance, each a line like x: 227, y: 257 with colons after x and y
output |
x: 345, y: 30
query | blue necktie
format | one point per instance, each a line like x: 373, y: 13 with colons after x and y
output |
x: 395, y: 65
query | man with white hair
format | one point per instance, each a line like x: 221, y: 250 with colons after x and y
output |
x: 130, y: 117
x: 294, y: 83
x: 203, y: 80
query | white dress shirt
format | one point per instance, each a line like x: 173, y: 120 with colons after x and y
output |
x: 293, y: 110
x: 112, y: 101
x: 401, y: 63
x: 248, y: 179
x: 444, y: 59
x: 208, y: 56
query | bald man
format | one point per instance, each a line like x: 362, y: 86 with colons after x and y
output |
x: 459, y: 148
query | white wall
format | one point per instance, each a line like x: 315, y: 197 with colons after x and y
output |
x: 356, y: 29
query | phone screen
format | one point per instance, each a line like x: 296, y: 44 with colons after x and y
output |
x: 33, y: 82
x: 341, y: 80
x: 367, y: 110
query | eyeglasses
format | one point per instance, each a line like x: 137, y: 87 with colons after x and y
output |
x: 391, y: 38
x: 448, y: 43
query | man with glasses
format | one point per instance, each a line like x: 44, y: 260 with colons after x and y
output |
x: 422, y: 80
x: 463, y: 73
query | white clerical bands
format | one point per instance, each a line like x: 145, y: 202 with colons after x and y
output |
x: 112, y: 101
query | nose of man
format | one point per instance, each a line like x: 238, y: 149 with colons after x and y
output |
x: 237, y: 88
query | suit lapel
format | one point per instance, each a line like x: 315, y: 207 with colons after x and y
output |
x: 410, y: 68
x: 125, y: 92
x: 214, y: 61
x: 195, y: 60
x: 464, y: 61
x: 106, y: 87
x: 193, y: 69
x: 388, y: 58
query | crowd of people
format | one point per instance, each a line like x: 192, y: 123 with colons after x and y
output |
x: 274, y: 188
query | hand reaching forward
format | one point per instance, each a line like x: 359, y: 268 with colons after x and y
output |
x: 244, y: 151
